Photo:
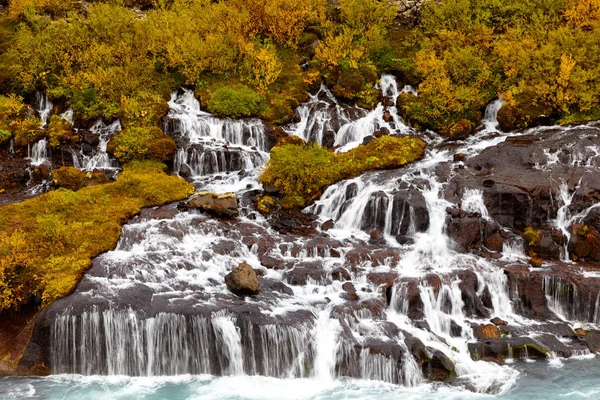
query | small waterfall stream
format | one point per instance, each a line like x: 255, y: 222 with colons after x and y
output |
x: 98, y: 158
x: 341, y: 303
x: 212, y: 146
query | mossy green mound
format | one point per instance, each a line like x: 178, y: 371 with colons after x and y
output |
x: 300, y: 173
x: 48, y: 242
x: 142, y: 144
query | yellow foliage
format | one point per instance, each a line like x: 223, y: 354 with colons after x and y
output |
x: 583, y: 13
x: 263, y: 64
x: 47, y: 243
x: 363, y: 15
x: 564, y: 95
x: 338, y: 47
x: 18, y: 8
x: 281, y: 20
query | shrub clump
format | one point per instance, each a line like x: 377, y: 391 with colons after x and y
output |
x: 236, y: 102
x: 300, y: 172
x: 15, y: 122
x: 60, y: 132
x: 68, y: 178
x: 48, y: 242
x: 4, y: 136
x: 142, y: 144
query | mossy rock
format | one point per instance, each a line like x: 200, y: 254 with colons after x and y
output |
x: 27, y: 131
x: 266, y: 204
x: 142, y: 144
x: 294, y: 202
x: 461, y: 130
x: 521, y: 116
x: 532, y: 236
x: 60, y: 132
x: 301, y: 172
x: 291, y: 140
x: 235, y: 102
x: 355, y: 84
x: 68, y: 177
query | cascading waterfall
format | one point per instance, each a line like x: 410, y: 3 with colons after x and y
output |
x: 38, y: 152
x: 562, y: 217
x: 43, y: 107
x: 68, y: 115
x: 343, y: 128
x: 212, y: 145
x: 490, y: 118
x: 340, y: 304
x: 472, y: 202
x: 321, y: 117
x: 99, y: 158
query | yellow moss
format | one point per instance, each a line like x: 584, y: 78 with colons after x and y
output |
x: 142, y: 143
x: 532, y: 236
x: 301, y: 172
x: 47, y: 243
x: 60, y: 132
x: 68, y: 178
x: 266, y: 204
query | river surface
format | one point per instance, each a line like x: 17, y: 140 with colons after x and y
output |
x: 556, y: 379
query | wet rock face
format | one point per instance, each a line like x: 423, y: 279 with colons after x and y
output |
x: 224, y: 205
x: 242, y: 280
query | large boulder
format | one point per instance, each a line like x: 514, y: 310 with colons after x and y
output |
x: 220, y: 204
x: 242, y: 280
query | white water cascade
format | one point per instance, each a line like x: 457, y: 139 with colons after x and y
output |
x: 43, y: 107
x: 98, y: 158
x: 387, y: 293
x: 38, y: 152
x: 211, y: 145
x: 490, y: 118
x: 325, y: 121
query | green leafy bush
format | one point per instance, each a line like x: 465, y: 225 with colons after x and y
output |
x: 142, y: 144
x: 239, y: 101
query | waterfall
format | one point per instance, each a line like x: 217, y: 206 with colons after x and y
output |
x: 323, y: 120
x: 43, y: 107
x: 562, y: 217
x: 472, y: 202
x: 38, y: 152
x: 68, y: 115
x: 113, y: 342
x: 320, y: 116
x: 99, y: 158
x: 432, y: 249
x: 387, y: 293
x: 490, y: 118
x: 213, y: 145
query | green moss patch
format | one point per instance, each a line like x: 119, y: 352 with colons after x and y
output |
x: 142, y: 144
x: 239, y: 101
x: 300, y: 172
x: 48, y: 242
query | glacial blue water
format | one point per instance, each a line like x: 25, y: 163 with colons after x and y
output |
x: 548, y: 380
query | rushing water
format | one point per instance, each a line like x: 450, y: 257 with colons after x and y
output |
x: 157, y: 307
x: 566, y: 379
